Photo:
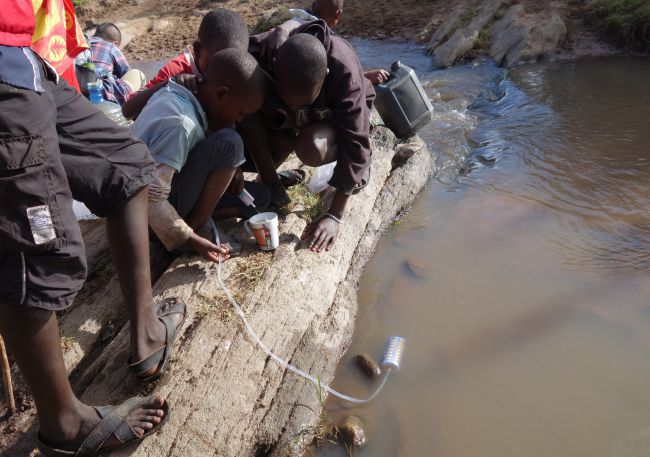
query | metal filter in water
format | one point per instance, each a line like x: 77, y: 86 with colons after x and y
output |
x: 402, y: 103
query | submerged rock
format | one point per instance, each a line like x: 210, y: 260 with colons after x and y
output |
x: 351, y: 432
x: 368, y: 365
x: 417, y: 267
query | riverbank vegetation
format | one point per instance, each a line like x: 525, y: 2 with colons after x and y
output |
x: 628, y: 21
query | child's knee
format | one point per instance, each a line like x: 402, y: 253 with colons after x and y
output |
x: 315, y: 145
x: 311, y: 150
x: 225, y: 147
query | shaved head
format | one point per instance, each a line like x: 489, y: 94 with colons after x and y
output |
x: 222, y: 28
x: 328, y: 10
x: 236, y: 69
x: 327, y: 6
x: 233, y: 87
x: 300, y: 69
x: 108, y: 32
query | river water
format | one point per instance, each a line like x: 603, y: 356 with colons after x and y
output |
x: 528, y: 319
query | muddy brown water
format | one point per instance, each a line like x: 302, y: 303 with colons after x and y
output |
x: 528, y: 321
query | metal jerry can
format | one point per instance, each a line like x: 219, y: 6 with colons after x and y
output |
x: 402, y: 103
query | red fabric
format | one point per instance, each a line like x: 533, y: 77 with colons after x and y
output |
x: 16, y: 22
x: 70, y: 75
x: 58, y: 37
x: 178, y: 64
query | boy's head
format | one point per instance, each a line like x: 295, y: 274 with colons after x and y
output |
x: 328, y: 10
x: 109, y: 32
x: 300, y: 70
x: 233, y: 86
x: 220, y: 29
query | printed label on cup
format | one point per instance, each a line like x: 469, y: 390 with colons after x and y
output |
x: 263, y: 237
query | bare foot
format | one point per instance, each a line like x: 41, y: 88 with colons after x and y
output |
x: 158, y: 341
x: 141, y: 420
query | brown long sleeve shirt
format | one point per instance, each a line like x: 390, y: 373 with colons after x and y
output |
x: 345, y: 100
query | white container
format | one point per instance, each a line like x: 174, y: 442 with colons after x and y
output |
x: 264, y: 227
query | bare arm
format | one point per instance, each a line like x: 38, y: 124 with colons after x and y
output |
x: 134, y: 105
x: 214, y: 188
x: 170, y: 228
x: 275, y: 38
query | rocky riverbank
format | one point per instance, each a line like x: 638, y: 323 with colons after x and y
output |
x: 228, y: 397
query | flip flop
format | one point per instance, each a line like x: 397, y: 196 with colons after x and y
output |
x: 113, y: 421
x: 364, y: 182
x: 160, y: 357
x: 292, y: 177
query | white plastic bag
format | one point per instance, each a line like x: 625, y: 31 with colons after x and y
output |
x: 81, y: 211
x: 321, y: 177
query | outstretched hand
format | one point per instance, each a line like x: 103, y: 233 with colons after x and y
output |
x: 207, y: 249
x: 189, y: 81
x: 272, y: 43
x: 377, y: 76
x: 321, y: 234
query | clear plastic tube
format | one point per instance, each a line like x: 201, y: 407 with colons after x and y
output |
x: 278, y: 359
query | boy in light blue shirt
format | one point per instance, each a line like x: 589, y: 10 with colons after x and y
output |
x: 197, y: 175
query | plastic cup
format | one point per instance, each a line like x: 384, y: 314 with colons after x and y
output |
x: 264, y: 227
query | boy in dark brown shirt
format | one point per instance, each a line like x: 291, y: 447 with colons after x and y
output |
x: 318, y: 103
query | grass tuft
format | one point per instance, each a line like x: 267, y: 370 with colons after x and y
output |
x: 627, y: 20
x: 67, y: 342
x: 308, y: 205
x: 270, y: 21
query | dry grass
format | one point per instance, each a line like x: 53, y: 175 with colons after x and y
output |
x: 304, y: 203
x: 248, y: 273
x: 67, y: 342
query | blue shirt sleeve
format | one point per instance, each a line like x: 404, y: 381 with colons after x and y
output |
x: 168, y: 144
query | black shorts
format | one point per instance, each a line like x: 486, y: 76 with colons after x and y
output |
x: 55, y: 146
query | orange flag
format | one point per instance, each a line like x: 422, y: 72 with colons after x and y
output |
x: 58, y: 37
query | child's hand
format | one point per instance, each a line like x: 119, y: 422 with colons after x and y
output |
x: 207, y: 249
x: 377, y: 76
x: 321, y: 234
x: 190, y: 82
x: 270, y: 45
x: 237, y: 183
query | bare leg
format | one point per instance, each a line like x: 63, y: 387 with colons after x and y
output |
x: 282, y: 143
x: 32, y: 336
x: 316, y: 145
x: 128, y: 238
x: 214, y: 188
x: 256, y: 138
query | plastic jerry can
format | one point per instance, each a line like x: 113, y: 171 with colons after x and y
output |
x: 402, y: 103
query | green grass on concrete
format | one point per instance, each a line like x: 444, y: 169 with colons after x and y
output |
x: 627, y: 20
